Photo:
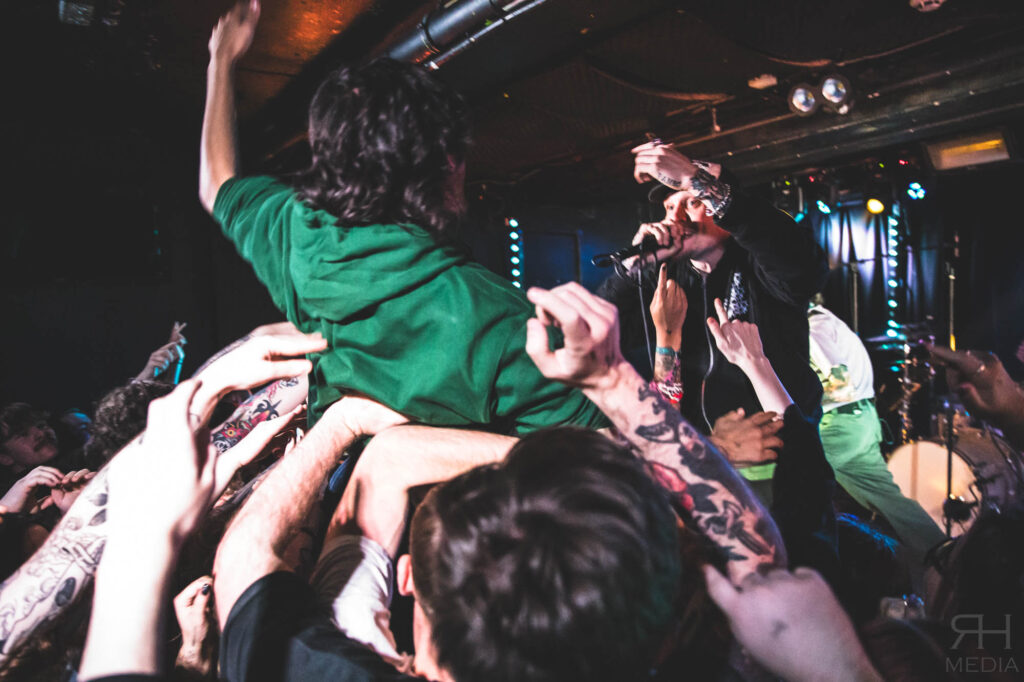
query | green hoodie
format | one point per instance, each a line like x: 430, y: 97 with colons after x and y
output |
x: 410, y: 323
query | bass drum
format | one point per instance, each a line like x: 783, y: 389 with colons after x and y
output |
x: 986, y: 474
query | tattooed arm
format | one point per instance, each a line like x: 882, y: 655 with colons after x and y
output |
x: 54, y: 577
x: 690, y: 468
x: 256, y: 541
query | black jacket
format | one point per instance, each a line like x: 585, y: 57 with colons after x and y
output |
x: 770, y: 269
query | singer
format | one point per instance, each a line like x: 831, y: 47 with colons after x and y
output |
x: 718, y: 242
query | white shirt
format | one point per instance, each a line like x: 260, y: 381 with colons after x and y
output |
x: 840, y: 360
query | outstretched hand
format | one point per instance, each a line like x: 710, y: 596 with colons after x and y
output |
x: 590, y: 327
x: 780, y: 616
x: 981, y: 381
x: 739, y: 342
x: 167, y: 480
x: 163, y: 358
x: 668, y: 307
x: 260, y: 360
x: 747, y: 441
x: 233, y: 34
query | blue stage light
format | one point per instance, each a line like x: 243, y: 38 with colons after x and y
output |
x: 823, y: 207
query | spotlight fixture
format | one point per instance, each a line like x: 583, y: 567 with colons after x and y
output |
x: 836, y: 93
x: 823, y: 207
x: 915, y: 190
x: 875, y: 206
x: 926, y: 5
x: 803, y: 100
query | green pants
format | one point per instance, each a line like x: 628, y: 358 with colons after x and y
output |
x: 851, y: 441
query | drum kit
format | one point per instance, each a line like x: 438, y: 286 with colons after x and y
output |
x: 954, y: 465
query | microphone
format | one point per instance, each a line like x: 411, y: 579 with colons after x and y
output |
x: 648, y: 245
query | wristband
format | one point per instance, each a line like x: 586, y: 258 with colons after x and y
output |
x: 665, y: 350
x: 709, y: 189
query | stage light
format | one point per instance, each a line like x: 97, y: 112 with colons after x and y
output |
x: 515, y: 260
x: 514, y: 247
x: 803, y: 100
x: 516, y: 273
x: 513, y: 223
x: 894, y: 323
x: 517, y: 285
x: 893, y: 263
x: 836, y: 93
x: 875, y: 206
x: 916, y: 191
x: 513, y: 235
x: 893, y: 283
x: 893, y: 303
x: 893, y: 221
x: 799, y: 216
x: 823, y: 207
x: 891, y: 333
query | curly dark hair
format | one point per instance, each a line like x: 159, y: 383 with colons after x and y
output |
x: 120, y: 416
x: 560, y: 563
x: 384, y: 137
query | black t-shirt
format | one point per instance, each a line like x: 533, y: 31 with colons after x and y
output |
x: 277, y: 630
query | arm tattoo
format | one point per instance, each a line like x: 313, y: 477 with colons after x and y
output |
x: 35, y: 595
x: 267, y: 403
x: 666, y: 377
x: 701, y: 481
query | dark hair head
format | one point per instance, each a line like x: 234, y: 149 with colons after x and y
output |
x: 559, y: 563
x: 120, y: 416
x: 383, y: 136
x: 17, y: 418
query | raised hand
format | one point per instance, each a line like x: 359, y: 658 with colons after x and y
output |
x: 590, y: 327
x: 780, y: 616
x: 662, y: 163
x: 668, y: 308
x: 739, y: 342
x: 163, y: 358
x: 747, y: 441
x: 259, y: 360
x: 981, y: 380
x: 234, y: 32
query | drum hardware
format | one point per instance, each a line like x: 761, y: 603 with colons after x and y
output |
x: 956, y: 509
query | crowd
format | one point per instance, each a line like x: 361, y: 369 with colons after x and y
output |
x: 425, y: 474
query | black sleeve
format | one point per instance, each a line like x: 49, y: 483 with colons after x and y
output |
x: 802, y: 496
x: 621, y: 289
x: 130, y: 677
x: 277, y: 630
x: 786, y: 257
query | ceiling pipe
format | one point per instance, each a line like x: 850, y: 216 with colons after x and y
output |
x: 438, y: 30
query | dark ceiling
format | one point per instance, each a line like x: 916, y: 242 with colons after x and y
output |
x: 560, y: 91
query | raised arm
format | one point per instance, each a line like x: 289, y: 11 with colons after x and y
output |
x: 218, y: 150
x: 36, y: 595
x: 255, y: 543
x: 740, y: 343
x: 803, y: 480
x: 689, y: 467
